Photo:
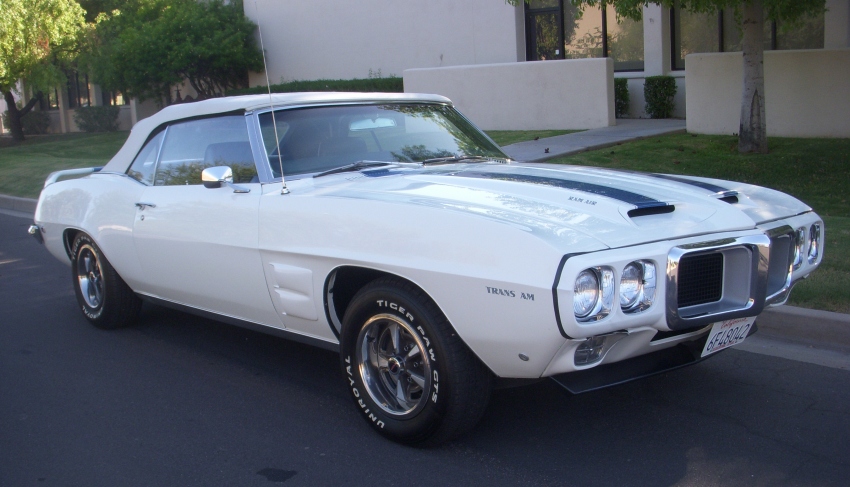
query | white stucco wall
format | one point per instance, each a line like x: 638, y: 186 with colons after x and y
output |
x: 332, y: 39
x: 807, y: 93
x: 837, y: 24
x: 571, y: 94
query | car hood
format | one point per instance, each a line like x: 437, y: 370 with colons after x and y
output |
x: 558, y: 202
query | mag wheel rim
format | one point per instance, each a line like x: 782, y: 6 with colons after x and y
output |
x: 393, y: 366
x: 89, y: 277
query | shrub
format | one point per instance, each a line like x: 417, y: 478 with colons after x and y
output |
x: 621, y: 97
x: 393, y: 84
x: 659, y: 92
x: 97, y: 119
x: 33, y: 123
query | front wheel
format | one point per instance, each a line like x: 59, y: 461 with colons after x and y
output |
x: 410, y: 375
x: 105, y: 299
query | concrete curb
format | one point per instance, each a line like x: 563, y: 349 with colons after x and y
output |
x: 822, y: 329
x: 14, y: 203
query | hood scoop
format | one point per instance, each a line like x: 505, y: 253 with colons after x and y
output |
x: 651, y: 210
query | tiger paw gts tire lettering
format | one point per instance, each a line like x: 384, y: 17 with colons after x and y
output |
x: 410, y: 375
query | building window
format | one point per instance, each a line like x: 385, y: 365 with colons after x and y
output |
x: 718, y: 32
x: 49, y: 100
x: 113, y: 98
x: 625, y: 41
x: 556, y: 29
x: 78, y: 90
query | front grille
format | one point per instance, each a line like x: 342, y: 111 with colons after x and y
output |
x: 700, y: 279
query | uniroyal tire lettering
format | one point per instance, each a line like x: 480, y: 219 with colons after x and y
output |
x: 356, y: 393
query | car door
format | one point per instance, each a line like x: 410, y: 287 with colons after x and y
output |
x: 197, y: 246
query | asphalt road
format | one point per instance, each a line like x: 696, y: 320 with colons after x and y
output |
x: 184, y: 401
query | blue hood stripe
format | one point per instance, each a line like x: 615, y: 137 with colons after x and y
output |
x: 699, y: 184
x: 638, y: 200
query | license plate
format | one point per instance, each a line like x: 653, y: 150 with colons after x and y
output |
x: 725, y: 334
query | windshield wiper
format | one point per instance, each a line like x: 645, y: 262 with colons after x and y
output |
x: 450, y: 159
x: 356, y: 166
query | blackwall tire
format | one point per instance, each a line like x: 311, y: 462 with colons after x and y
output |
x: 104, y: 298
x: 410, y: 375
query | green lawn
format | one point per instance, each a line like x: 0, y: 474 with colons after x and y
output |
x: 815, y: 170
x: 24, y: 167
x: 508, y: 137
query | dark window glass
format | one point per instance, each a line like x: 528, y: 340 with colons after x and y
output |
x: 113, y: 98
x: 313, y: 140
x: 807, y: 34
x: 583, y: 35
x: 733, y: 38
x: 693, y: 33
x: 192, y: 146
x: 144, y: 164
x: 625, y: 42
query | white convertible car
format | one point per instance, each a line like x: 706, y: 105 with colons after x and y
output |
x: 391, y: 229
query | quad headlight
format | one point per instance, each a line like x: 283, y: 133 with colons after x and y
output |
x: 637, y: 286
x: 593, y: 293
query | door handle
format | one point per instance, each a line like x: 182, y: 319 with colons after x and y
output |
x: 142, y: 206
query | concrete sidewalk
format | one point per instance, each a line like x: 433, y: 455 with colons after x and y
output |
x: 562, y: 145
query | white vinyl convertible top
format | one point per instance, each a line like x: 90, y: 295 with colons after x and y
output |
x: 122, y: 160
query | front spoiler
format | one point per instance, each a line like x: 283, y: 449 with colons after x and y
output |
x: 608, y: 375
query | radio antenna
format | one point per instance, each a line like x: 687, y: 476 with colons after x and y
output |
x: 283, y: 188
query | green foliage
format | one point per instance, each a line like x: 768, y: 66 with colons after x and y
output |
x: 148, y: 46
x: 621, y: 97
x: 97, y: 119
x: 659, y: 92
x: 35, y: 35
x: 33, y: 123
x: 381, y: 85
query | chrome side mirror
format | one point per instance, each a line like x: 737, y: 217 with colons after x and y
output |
x: 215, y: 177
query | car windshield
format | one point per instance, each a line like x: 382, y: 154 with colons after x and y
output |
x: 320, y: 139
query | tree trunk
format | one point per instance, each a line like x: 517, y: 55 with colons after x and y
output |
x: 15, y: 125
x: 752, y: 134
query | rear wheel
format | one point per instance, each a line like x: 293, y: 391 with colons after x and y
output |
x: 410, y: 375
x: 105, y: 299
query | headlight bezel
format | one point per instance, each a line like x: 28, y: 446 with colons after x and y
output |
x: 645, y: 292
x: 603, y: 304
